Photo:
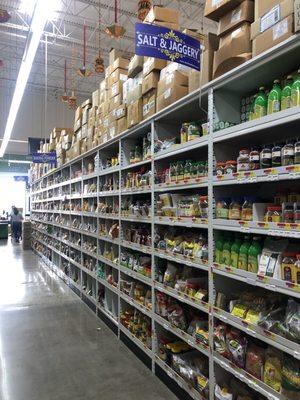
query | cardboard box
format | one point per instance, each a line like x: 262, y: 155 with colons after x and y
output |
x: 234, y: 49
x: 111, y: 117
x: 121, y: 125
x: 164, y: 14
x: 115, y: 102
x: 149, y: 104
x: 262, y: 7
x: 150, y: 82
x: 115, y: 89
x: 118, y: 74
x: 108, y: 71
x: 134, y: 95
x: 121, y: 63
x: 84, y: 131
x: 113, y: 55
x: 153, y: 64
x: 77, y: 125
x: 135, y: 66
x: 173, y: 94
x: 170, y: 81
x: 297, y: 15
x: 173, y: 67
x: 76, y: 149
x: 277, y: 13
x: 243, y: 13
x: 170, y: 25
x: 134, y: 113
x: 211, y: 43
x: 85, y: 115
x: 78, y: 113
x: 103, y: 85
x: 104, y: 108
x: 112, y: 129
x: 95, y: 98
x: 194, y: 80
x: 83, y: 146
x: 120, y: 112
x: 103, y: 96
x: 271, y: 37
x: 194, y: 33
x: 215, y: 9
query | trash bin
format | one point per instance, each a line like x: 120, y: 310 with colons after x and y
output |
x: 3, y: 229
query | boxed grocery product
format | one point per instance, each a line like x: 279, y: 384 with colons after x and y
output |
x: 242, y: 13
x: 215, y: 9
x: 134, y: 113
x: 76, y: 149
x: 153, y: 64
x: 112, y: 129
x: 120, y: 111
x: 95, y: 98
x: 121, y: 63
x: 211, y: 44
x: 115, y: 102
x: 164, y: 14
x: 134, y: 94
x: 104, y: 108
x: 103, y: 96
x: 171, y: 95
x: 113, y: 55
x: 118, y: 74
x: 175, y: 67
x: 111, y: 117
x: 92, y: 116
x: 149, y: 104
x: 77, y: 125
x: 273, y: 36
x: 135, y: 66
x: 173, y: 79
x: 150, y: 82
x: 297, y: 15
x: 116, y: 88
x: 263, y: 7
x: 234, y: 49
x: 121, y: 125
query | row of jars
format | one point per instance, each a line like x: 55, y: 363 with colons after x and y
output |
x: 269, y: 156
x: 182, y: 170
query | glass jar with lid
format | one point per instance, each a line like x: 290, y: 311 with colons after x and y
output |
x: 297, y: 152
x: 247, y: 209
x: 235, y: 209
x: 220, y: 168
x: 230, y: 167
x: 254, y: 159
x: 273, y: 214
x: 222, y: 209
x: 243, y: 161
x: 266, y: 157
x: 276, y: 155
x: 204, y: 207
x: 287, y: 154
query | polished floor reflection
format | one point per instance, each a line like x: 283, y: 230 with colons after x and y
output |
x: 50, y: 344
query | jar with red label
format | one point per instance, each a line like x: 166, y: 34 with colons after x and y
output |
x: 254, y: 159
x: 243, y: 161
x: 230, y: 167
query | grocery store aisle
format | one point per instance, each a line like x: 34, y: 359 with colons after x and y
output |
x: 50, y: 347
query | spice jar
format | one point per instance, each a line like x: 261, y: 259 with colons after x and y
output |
x: 274, y: 214
x: 254, y: 159
x: 297, y: 152
x: 247, y: 209
x: 276, y: 155
x: 184, y: 132
x: 243, y: 161
x: 220, y: 168
x: 230, y: 167
x: 287, y: 154
x: 204, y: 206
x: 296, y: 272
x: 266, y: 157
x: 288, y: 213
x: 222, y: 209
x: 235, y: 209
x: 287, y: 266
x: 297, y: 213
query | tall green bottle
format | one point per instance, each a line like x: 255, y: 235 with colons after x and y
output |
x: 286, y: 95
x: 235, y: 250
x: 274, y: 98
x: 296, y: 91
x: 254, y: 253
x: 243, y: 254
x: 260, y: 103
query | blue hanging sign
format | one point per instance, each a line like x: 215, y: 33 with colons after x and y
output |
x: 47, y: 158
x: 160, y: 42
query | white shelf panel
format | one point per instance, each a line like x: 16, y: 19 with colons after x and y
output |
x: 189, y: 261
x: 178, y: 221
x: 135, y: 275
x: 136, y: 304
x: 185, y: 184
x: 109, y: 216
x: 142, y: 190
x: 109, y: 171
x: 107, y: 314
x: 138, y: 247
x: 109, y: 240
x: 182, y: 148
x: 137, y: 219
x: 135, y: 165
x: 135, y: 340
x: 108, y: 285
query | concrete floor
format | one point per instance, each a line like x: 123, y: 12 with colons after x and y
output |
x: 50, y: 347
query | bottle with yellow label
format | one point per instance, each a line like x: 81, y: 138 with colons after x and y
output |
x: 286, y: 95
x: 260, y: 104
x: 274, y: 98
x: 296, y: 91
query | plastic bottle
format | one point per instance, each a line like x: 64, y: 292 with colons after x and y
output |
x: 260, y: 103
x: 274, y: 98
x: 219, y: 248
x: 226, y: 253
x: 254, y: 253
x: 234, y: 251
x: 243, y: 254
x: 296, y: 91
x: 286, y: 95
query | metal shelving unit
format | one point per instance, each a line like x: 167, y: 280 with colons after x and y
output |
x: 219, y: 97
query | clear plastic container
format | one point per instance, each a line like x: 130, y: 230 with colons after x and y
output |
x: 287, y: 154
x: 266, y: 157
x: 247, y: 209
x: 243, y: 161
x: 222, y: 209
x: 235, y: 209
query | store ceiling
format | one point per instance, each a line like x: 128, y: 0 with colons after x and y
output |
x: 65, y: 38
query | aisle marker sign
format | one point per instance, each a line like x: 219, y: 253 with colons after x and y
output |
x: 167, y: 44
x: 47, y: 158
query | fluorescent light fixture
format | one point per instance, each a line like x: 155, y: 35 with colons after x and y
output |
x: 15, y: 161
x: 42, y: 10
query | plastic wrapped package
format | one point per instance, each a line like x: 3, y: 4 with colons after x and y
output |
x: 273, y: 369
x: 237, y: 345
x: 255, y: 359
x: 223, y: 393
x: 170, y: 275
x: 291, y: 377
x: 176, y: 316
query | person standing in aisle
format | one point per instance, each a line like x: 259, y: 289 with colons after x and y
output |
x: 16, y: 218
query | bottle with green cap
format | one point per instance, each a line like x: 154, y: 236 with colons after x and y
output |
x: 254, y: 254
x: 286, y: 95
x: 226, y: 253
x: 251, y: 110
x: 243, y: 254
x: 260, y: 103
x: 296, y: 91
x: 235, y: 250
x: 219, y: 248
x: 274, y: 98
